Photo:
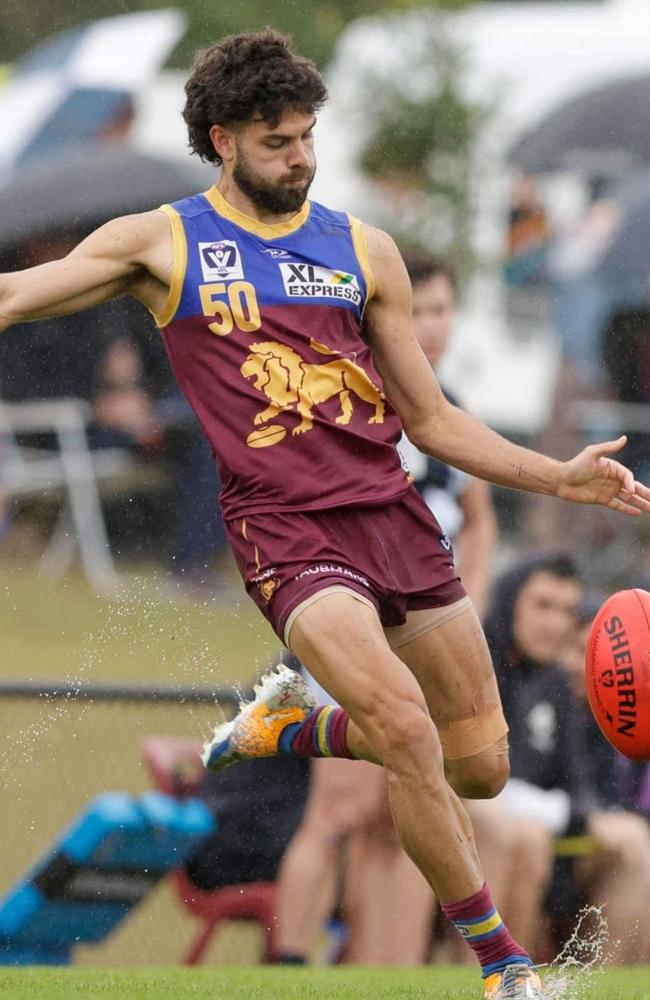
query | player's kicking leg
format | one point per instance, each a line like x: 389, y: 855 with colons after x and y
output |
x: 389, y: 721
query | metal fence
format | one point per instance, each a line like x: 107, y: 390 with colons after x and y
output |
x: 62, y: 745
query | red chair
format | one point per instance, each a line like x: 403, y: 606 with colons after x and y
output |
x: 176, y: 768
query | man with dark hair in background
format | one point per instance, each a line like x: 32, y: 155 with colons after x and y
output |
x: 563, y: 773
x: 616, y: 876
x: 288, y: 326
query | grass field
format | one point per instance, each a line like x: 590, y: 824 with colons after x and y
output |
x: 433, y: 983
x: 56, y: 630
x: 55, y: 756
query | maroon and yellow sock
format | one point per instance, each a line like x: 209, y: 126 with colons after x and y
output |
x: 323, y: 733
x: 477, y: 920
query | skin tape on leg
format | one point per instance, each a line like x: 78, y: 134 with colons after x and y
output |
x: 400, y: 635
x: 336, y: 588
x: 468, y: 737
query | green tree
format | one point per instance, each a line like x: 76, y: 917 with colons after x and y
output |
x: 421, y: 142
x: 316, y: 24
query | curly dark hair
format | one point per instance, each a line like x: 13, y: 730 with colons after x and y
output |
x: 422, y: 266
x: 257, y: 73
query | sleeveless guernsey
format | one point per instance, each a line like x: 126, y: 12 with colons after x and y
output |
x: 263, y: 328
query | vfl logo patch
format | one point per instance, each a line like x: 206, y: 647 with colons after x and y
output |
x: 314, y: 282
x: 220, y: 260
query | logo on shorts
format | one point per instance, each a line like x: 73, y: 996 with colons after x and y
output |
x: 332, y: 568
x: 315, y: 282
x: 268, y: 588
x: 445, y: 542
x: 220, y: 260
x: 267, y: 581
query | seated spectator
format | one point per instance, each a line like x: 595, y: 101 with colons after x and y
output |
x: 112, y: 357
x: 461, y: 503
x: 124, y: 410
x: 563, y: 774
x: 634, y: 786
x: 532, y: 614
x: 617, y: 876
x: 258, y: 806
x: 136, y: 405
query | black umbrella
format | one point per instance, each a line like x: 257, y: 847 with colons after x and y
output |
x: 602, y: 133
x: 85, y: 187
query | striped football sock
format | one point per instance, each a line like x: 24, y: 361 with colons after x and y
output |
x: 478, y: 921
x: 321, y: 734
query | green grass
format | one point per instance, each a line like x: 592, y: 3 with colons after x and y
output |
x: 56, y: 630
x: 433, y: 983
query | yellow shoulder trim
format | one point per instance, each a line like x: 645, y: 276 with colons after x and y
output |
x: 179, y: 266
x: 264, y: 230
x: 361, y: 250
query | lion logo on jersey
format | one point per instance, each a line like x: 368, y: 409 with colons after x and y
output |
x: 292, y: 384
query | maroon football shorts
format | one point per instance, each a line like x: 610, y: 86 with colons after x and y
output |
x: 395, y: 556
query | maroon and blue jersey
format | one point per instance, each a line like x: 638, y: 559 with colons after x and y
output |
x: 263, y: 327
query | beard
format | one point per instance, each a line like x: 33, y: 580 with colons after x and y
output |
x: 277, y: 197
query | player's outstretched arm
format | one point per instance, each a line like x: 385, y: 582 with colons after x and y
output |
x: 456, y: 437
x: 130, y: 254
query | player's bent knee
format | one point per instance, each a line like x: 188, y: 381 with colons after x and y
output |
x: 475, y: 749
x: 481, y: 776
x: 406, y: 735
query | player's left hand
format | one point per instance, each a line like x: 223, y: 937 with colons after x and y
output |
x: 594, y: 477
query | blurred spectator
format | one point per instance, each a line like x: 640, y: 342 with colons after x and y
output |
x: 55, y: 357
x: 563, y: 776
x: 258, y: 807
x: 581, y: 299
x: 388, y: 904
x: 112, y: 357
x: 634, y: 786
x: 617, y: 876
x: 529, y: 233
x: 461, y: 504
x: 124, y: 411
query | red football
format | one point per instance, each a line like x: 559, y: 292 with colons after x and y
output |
x: 617, y: 665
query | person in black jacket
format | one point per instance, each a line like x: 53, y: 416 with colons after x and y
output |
x: 617, y: 875
x: 563, y: 774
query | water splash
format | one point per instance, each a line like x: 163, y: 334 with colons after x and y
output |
x: 573, y: 971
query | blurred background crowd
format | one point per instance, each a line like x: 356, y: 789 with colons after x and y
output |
x: 506, y: 147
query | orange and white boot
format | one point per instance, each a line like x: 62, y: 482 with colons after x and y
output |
x: 515, y: 982
x: 281, y: 698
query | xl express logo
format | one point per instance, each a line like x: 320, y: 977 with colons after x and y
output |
x: 315, y: 282
x: 220, y: 260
